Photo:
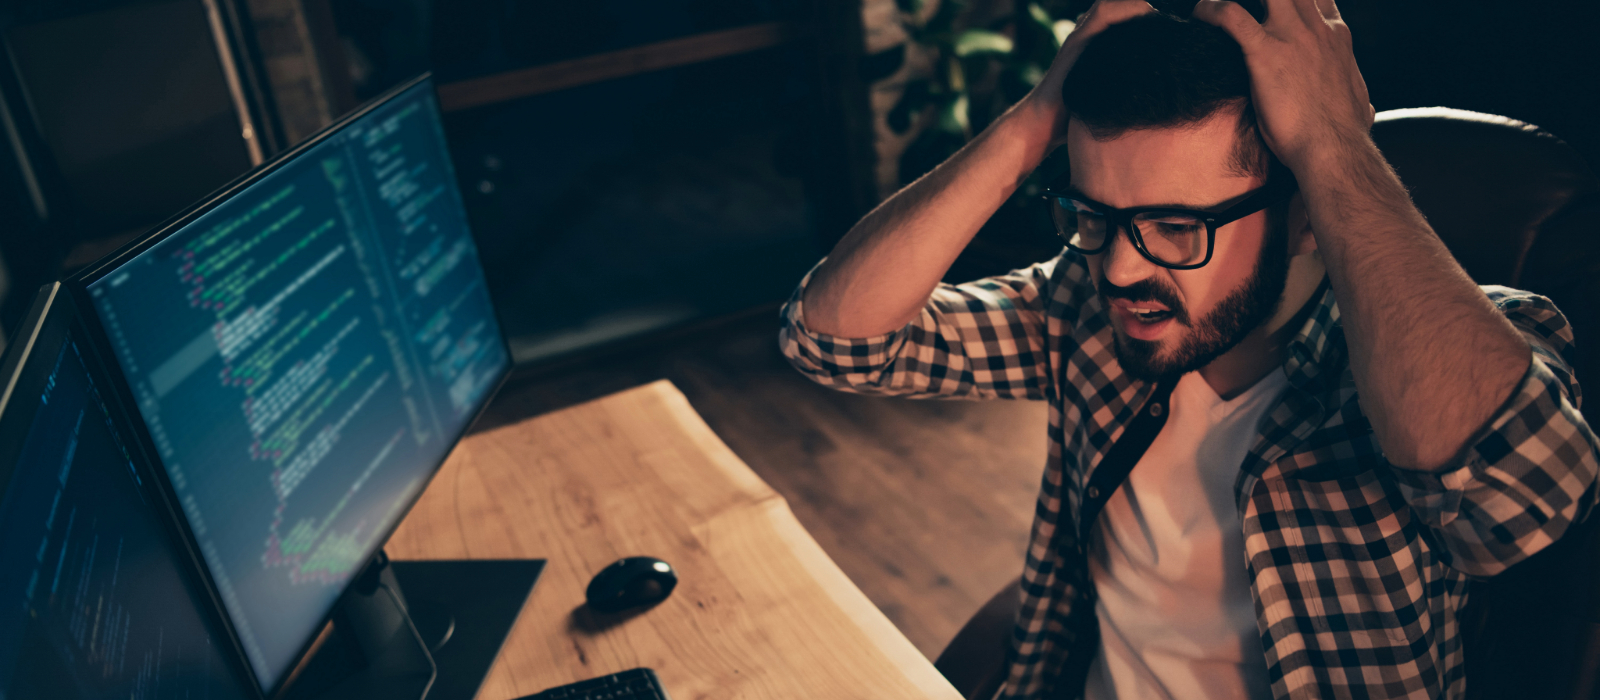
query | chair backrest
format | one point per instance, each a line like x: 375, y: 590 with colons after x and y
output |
x: 1518, y: 207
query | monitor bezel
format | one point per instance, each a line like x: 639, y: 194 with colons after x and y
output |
x: 78, y: 287
x: 51, y: 321
x: 38, y: 328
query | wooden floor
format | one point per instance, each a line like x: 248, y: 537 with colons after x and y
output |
x: 926, y: 505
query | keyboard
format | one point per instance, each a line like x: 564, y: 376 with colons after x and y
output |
x: 633, y: 684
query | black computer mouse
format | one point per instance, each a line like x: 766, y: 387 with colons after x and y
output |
x: 630, y: 583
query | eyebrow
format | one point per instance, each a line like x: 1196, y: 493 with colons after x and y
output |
x: 1210, y: 209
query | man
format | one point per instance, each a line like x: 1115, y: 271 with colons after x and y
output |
x: 1286, y: 428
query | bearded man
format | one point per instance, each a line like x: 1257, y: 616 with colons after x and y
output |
x: 1286, y: 428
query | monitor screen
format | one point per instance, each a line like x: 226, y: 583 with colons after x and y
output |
x: 98, y: 595
x: 305, y: 351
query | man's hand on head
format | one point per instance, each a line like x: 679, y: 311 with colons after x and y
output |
x: 1433, y: 359
x: 1309, y: 95
x: 1046, y: 97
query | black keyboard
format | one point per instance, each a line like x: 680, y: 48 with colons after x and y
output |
x: 634, y: 684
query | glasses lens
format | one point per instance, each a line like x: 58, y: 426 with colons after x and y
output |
x: 1173, y: 237
x: 1078, y: 223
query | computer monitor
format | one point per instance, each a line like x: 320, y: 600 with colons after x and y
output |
x: 99, y: 597
x: 305, y: 348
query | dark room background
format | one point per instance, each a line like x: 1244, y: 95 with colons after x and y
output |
x: 629, y: 166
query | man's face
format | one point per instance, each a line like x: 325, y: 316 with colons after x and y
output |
x: 1189, y: 317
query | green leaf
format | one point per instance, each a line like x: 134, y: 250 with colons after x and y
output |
x: 953, y: 117
x: 955, y: 77
x: 1032, y: 74
x: 1044, y: 25
x: 1062, y: 28
x: 1039, y: 15
x: 982, y: 41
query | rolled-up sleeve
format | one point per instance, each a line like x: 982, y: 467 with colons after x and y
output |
x: 982, y: 339
x: 1530, y: 474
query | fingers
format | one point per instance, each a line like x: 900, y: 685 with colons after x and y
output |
x: 1318, y: 12
x: 1280, y: 11
x: 1308, y: 11
x: 1303, y: 14
x: 1233, y: 18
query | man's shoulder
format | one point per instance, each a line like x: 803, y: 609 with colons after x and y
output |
x: 1501, y: 294
x: 1068, y: 286
x: 1511, y: 300
x: 1532, y: 313
x: 1059, y: 289
x: 1535, y: 315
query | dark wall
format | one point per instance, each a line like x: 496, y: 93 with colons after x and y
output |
x: 1537, y: 62
x: 611, y: 209
x: 120, y: 115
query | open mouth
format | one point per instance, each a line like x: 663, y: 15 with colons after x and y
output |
x: 1149, y: 315
x: 1144, y: 320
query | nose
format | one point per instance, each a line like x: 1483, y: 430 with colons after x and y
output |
x: 1122, y: 264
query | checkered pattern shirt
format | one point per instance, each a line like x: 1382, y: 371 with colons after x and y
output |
x: 1357, y: 568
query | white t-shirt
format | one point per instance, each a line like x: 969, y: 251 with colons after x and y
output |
x: 1176, y: 618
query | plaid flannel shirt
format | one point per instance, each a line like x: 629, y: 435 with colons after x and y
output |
x: 1357, y: 568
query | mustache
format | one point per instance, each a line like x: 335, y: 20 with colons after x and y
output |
x: 1145, y: 290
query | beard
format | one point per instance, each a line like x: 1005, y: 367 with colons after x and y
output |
x: 1235, y: 316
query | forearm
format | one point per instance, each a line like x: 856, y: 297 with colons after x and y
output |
x: 880, y: 275
x: 1433, y: 358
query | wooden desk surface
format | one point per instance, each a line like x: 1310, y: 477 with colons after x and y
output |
x: 759, y: 612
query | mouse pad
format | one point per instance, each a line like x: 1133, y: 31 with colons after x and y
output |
x: 484, y: 596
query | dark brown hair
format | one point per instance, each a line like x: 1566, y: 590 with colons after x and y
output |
x: 1163, y: 71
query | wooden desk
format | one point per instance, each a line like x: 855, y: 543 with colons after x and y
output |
x: 760, y: 611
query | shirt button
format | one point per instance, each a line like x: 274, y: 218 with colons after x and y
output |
x: 1094, y: 492
x: 1155, y: 410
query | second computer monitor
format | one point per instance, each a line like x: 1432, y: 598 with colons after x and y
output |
x: 99, y: 597
x: 305, y: 350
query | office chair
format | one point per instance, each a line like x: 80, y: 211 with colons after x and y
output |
x: 1517, y: 207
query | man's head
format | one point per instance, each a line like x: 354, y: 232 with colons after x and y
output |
x: 1161, y: 116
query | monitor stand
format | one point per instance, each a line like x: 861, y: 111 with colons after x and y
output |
x: 417, y: 629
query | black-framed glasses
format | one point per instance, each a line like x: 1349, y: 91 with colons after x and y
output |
x: 1180, y: 239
